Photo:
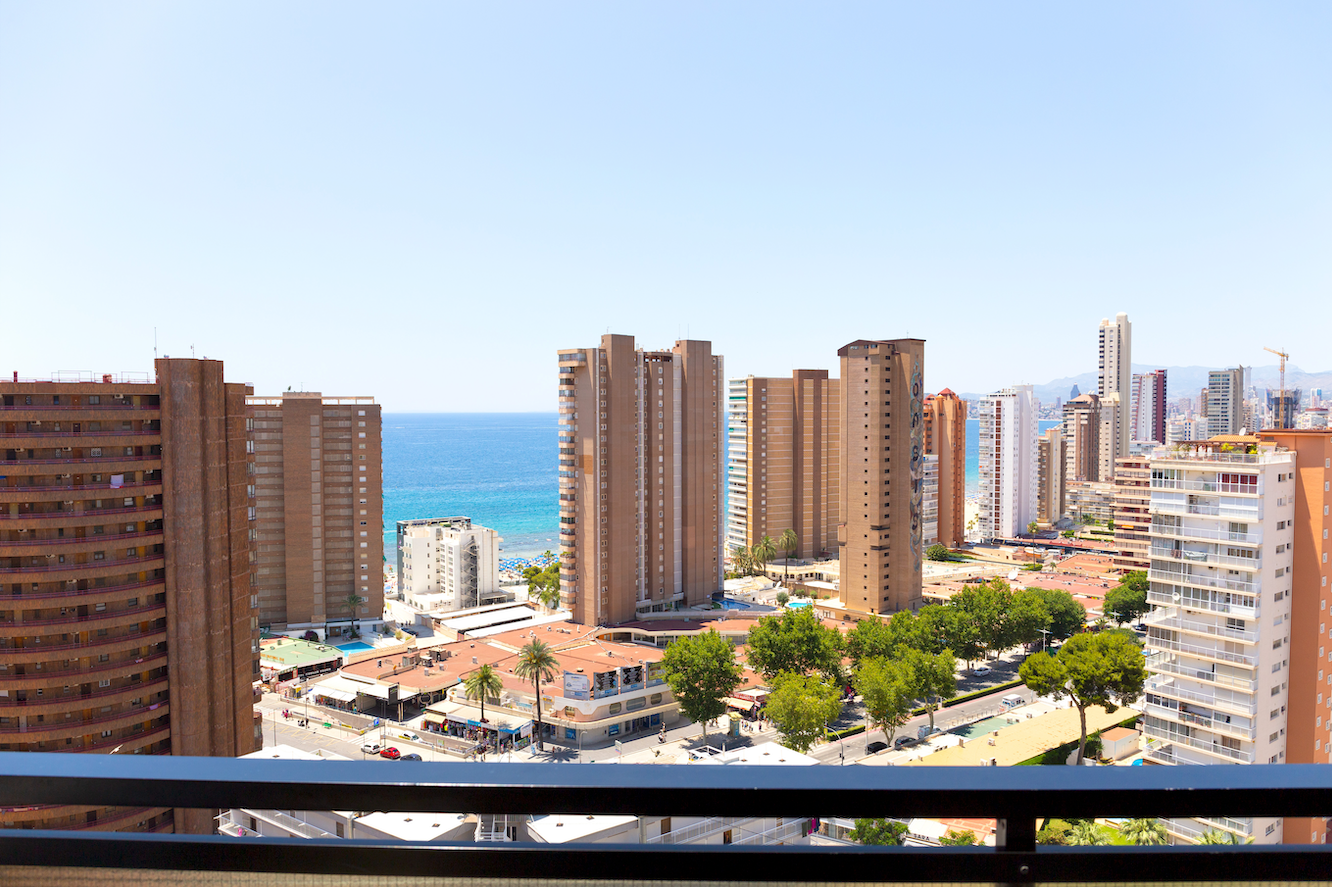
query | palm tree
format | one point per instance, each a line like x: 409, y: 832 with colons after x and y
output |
x: 764, y: 551
x: 787, y: 542
x: 1215, y: 836
x: 1086, y: 833
x: 742, y: 561
x: 482, y: 683
x: 536, y: 663
x: 1144, y: 832
x: 353, y: 601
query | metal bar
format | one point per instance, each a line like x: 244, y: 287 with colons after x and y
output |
x: 627, y: 863
x: 1012, y: 793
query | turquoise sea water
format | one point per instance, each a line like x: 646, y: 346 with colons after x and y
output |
x: 499, y: 469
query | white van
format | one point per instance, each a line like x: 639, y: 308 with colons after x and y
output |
x: 1012, y: 700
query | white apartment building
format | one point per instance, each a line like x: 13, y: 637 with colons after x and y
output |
x: 1218, y: 639
x: 1114, y: 380
x: 1008, y: 462
x: 929, y: 505
x: 1225, y: 402
x: 1184, y: 429
x: 737, y: 464
x: 448, y: 564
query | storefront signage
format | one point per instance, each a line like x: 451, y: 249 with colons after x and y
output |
x: 576, y: 686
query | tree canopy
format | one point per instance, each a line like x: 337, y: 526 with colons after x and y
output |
x: 795, y: 641
x: 937, y: 552
x: 932, y: 677
x: 701, y: 671
x: 536, y: 663
x: 543, y: 583
x: 482, y: 684
x: 1128, y: 600
x: 802, y: 706
x: 884, y: 832
x: 887, y: 689
x: 1091, y: 669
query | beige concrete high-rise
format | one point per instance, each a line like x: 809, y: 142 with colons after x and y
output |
x: 882, y: 440
x: 782, y: 462
x: 946, y: 437
x: 1114, y: 381
x: 319, y: 503
x: 1133, y: 519
x: 1082, y: 439
x: 640, y: 461
x: 1050, y: 463
x: 127, y: 618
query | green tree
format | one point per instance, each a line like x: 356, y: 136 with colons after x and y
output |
x: 1032, y: 526
x: 787, y: 542
x: 353, y: 602
x: 1091, y: 669
x: 783, y: 599
x: 986, y: 608
x: 536, y: 663
x: 482, y: 683
x: 795, y: 641
x: 802, y: 706
x: 958, y: 839
x: 871, y: 638
x: 937, y: 552
x: 543, y: 583
x: 1086, y: 833
x: 762, y: 553
x: 887, y: 688
x: 882, y: 832
x: 701, y: 671
x: 1215, y: 836
x: 1054, y: 831
x: 1125, y: 602
x: 1144, y: 832
x: 1067, y: 616
x: 931, y: 630
x: 743, y: 561
x: 933, y: 677
x: 1027, y: 617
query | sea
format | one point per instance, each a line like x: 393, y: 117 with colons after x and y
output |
x: 500, y: 470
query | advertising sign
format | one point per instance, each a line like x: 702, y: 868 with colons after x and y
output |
x: 576, y: 686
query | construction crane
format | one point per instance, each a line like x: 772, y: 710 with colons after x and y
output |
x: 1281, y: 404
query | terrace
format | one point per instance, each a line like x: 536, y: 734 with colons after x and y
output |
x: 1016, y: 797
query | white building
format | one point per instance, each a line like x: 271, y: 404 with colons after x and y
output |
x: 929, y: 504
x: 1114, y: 380
x: 1225, y: 402
x: 737, y: 464
x: 1008, y: 462
x: 1218, y: 640
x: 1183, y: 429
x: 448, y: 564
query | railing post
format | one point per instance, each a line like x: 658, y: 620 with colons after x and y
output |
x: 1015, y: 835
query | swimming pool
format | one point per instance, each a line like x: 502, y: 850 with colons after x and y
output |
x: 797, y: 605
x: 728, y: 604
x: 354, y: 647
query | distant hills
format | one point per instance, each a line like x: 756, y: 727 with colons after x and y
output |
x: 1182, y: 381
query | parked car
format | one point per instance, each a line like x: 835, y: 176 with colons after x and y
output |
x: 411, y: 758
x: 391, y: 753
x: 982, y: 670
x: 905, y: 741
x: 370, y: 748
x: 876, y: 747
x: 412, y: 736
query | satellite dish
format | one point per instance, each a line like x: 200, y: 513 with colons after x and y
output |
x: 1175, y: 597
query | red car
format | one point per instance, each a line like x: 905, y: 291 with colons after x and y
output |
x: 391, y: 753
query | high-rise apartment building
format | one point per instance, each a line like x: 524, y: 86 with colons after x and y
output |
x: 929, y: 533
x: 1149, y: 406
x: 782, y: 452
x: 1082, y: 439
x: 127, y: 622
x: 1114, y: 380
x: 1219, y: 651
x: 1224, y: 398
x: 1008, y: 463
x: 882, y: 460
x: 448, y: 563
x: 1133, y: 498
x: 1050, y: 463
x: 946, y: 437
x: 319, y: 505
x: 641, y: 466
x: 1309, y: 722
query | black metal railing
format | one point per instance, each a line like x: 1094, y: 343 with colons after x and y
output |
x: 1017, y: 797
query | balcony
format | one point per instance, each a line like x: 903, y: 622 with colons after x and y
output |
x: 1214, y: 724
x: 1161, y: 665
x: 1252, y: 564
x: 1016, y: 797
x: 1202, y: 581
x: 1214, y: 699
x: 1207, y: 533
x: 1168, y: 619
x: 1202, y: 651
x: 1207, y: 746
x: 1217, y: 603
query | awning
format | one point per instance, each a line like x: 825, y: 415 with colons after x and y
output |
x: 332, y: 693
x: 732, y: 702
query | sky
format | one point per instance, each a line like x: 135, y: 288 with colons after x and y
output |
x: 423, y: 202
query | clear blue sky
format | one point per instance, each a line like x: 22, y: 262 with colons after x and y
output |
x: 424, y: 201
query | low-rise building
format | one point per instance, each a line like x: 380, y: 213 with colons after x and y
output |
x: 448, y: 563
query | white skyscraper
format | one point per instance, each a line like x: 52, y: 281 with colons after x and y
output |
x: 1008, y: 462
x: 1114, y: 380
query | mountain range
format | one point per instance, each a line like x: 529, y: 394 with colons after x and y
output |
x: 1183, y: 381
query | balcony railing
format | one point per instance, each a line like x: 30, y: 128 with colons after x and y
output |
x: 1217, y: 700
x: 1016, y: 797
x: 1166, y: 618
x: 1226, y: 535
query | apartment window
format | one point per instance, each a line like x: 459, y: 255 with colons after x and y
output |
x: 104, y: 682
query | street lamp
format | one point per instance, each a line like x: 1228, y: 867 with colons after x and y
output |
x: 1044, y: 632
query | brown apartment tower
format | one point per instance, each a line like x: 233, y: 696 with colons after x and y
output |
x: 782, y: 460
x: 946, y: 437
x: 319, y: 502
x: 126, y: 610
x: 1309, y: 722
x: 882, y: 464
x: 641, y: 440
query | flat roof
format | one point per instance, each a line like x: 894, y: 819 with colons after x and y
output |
x: 496, y: 717
x: 414, y: 826
x: 497, y: 616
x: 563, y: 828
x: 285, y: 652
